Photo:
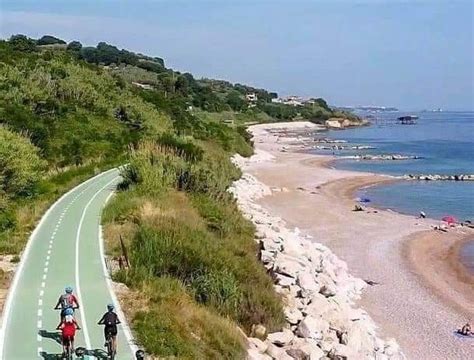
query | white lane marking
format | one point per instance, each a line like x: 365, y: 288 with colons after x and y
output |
x: 40, y: 351
x: 48, y: 257
x: 49, y: 252
x: 39, y: 324
x: 39, y: 338
x: 44, y: 276
x: 40, y: 302
x: 46, y: 264
x: 78, y: 280
x: 41, y: 293
x: 26, y: 254
x: 43, y: 284
x: 40, y: 312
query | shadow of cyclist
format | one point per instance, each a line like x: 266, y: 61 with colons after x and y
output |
x: 97, y: 353
x: 53, y: 335
x: 44, y: 355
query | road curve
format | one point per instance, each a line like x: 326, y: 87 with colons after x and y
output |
x: 64, y: 249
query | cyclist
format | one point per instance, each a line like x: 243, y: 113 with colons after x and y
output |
x: 68, y: 327
x: 110, y: 321
x: 66, y: 301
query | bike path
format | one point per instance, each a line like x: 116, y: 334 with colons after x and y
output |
x: 65, y: 249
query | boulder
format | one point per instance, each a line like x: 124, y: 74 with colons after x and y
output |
x: 285, y: 281
x: 281, y: 338
x: 308, y: 348
x: 270, y: 245
x: 391, y: 348
x: 267, y: 256
x: 359, y: 339
x: 258, y: 331
x: 288, y: 265
x: 255, y: 355
x: 297, y: 354
x: 318, y: 305
x: 293, y: 316
x: 277, y: 352
x: 312, y: 327
x: 257, y: 345
x: 342, y: 352
x: 307, y: 283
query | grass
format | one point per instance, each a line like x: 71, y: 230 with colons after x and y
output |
x: 172, y: 325
x: 191, y: 252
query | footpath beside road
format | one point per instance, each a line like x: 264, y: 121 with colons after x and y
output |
x: 65, y: 249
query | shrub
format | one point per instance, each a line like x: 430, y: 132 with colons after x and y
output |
x: 20, y: 165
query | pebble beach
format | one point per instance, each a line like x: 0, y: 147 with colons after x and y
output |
x: 390, y: 281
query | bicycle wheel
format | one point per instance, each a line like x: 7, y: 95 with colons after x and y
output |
x: 109, y: 349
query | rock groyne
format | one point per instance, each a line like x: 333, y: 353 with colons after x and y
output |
x: 384, y: 157
x: 318, y: 292
x: 436, y: 177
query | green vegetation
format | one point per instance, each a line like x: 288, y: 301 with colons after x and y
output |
x: 63, y: 120
x: 180, y: 225
x: 69, y: 111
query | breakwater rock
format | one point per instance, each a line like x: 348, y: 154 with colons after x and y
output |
x: 435, y: 177
x: 322, y: 321
x: 384, y: 157
x: 329, y: 141
x: 342, y: 147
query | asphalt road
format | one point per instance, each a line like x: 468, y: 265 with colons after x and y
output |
x: 65, y: 249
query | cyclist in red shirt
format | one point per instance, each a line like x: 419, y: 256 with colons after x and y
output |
x: 68, y: 327
x: 66, y: 301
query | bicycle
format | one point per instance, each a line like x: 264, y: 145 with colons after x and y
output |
x: 69, y: 351
x: 109, y: 346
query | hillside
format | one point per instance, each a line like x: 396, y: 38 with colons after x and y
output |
x: 68, y: 111
x: 64, y: 119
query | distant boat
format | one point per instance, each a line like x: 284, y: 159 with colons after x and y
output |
x: 407, y: 120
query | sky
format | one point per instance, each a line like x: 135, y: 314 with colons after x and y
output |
x: 409, y: 54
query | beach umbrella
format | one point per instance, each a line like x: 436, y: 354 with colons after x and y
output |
x: 449, y: 219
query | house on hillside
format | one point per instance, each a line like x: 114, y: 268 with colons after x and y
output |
x: 293, y: 100
x: 143, y: 86
x: 251, y: 97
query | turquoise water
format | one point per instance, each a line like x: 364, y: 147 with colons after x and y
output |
x: 445, y: 141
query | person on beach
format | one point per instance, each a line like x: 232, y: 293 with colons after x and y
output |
x: 466, y: 330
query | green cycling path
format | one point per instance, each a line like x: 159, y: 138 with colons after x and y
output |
x: 65, y: 249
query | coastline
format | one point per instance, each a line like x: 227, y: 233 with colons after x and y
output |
x: 318, y: 199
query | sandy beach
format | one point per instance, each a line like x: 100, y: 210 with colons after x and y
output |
x: 421, y: 294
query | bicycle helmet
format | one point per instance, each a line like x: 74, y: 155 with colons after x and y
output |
x: 140, y: 355
x: 68, y: 311
x: 68, y: 290
x: 110, y: 307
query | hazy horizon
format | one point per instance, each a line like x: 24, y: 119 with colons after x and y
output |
x: 411, y: 55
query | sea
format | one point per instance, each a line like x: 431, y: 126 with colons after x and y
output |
x: 444, y: 141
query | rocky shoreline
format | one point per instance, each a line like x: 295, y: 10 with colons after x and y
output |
x: 383, y: 157
x: 322, y: 320
x: 435, y: 177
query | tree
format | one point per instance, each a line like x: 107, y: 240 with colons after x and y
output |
x: 22, y: 43
x: 74, y: 46
x: 20, y: 164
x: 49, y: 40
x: 235, y: 101
x: 182, y: 85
